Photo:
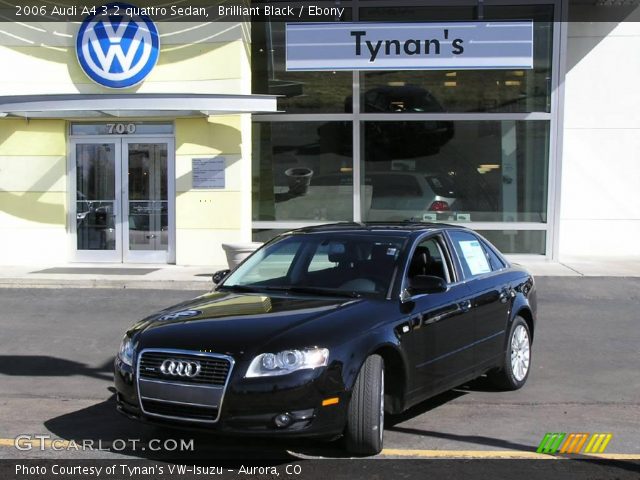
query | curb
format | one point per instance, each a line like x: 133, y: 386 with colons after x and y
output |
x: 112, y: 284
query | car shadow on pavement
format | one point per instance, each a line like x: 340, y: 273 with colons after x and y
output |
x: 481, y: 384
x: 46, y: 366
x: 109, y: 430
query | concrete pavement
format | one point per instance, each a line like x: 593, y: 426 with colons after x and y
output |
x: 143, y: 276
x: 96, y: 275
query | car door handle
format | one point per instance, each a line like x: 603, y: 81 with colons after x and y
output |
x: 465, y: 306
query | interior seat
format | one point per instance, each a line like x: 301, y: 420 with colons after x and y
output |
x: 420, y: 262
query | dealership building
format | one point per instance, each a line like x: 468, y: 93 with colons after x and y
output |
x: 154, y: 141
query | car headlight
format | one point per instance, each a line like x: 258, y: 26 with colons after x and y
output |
x: 125, y: 354
x: 287, y: 361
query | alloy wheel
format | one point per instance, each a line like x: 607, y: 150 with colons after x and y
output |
x: 520, y: 353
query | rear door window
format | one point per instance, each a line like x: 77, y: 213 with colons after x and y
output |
x: 471, y: 253
x: 495, y: 261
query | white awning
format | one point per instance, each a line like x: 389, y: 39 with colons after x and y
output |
x: 71, y: 106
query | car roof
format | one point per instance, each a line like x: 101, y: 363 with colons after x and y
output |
x: 397, y: 227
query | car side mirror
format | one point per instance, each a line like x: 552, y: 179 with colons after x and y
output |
x: 426, y: 284
x: 220, y: 275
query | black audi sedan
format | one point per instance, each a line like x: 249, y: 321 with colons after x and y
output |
x: 325, y: 329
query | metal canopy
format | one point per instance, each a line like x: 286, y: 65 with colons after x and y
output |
x: 133, y: 105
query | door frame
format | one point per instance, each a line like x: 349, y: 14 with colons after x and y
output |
x: 120, y: 254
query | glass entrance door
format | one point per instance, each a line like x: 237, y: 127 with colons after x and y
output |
x: 124, y: 200
x: 96, y: 216
x: 146, y: 201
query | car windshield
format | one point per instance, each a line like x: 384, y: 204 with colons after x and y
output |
x: 342, y: 264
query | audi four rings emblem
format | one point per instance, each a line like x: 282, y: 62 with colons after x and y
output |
x: 180, y: 368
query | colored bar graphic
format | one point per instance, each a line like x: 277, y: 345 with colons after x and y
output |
x: 572, y: 443
x: 550, y: 443
x: 598, y: 443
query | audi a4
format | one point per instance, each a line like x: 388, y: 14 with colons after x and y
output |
x: 324, y: 330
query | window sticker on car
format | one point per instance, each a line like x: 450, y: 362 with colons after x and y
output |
x: 391, y: 251
x: 474, y: 256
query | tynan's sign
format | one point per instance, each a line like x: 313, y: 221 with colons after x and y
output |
x: 117, y: 50
x: 410, y: 46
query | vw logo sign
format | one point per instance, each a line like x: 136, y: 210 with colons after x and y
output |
x: 116, y: 50
x: 180, y: 368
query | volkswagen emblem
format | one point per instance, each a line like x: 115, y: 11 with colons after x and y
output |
x: 116, y: 50
x: 180, y: 368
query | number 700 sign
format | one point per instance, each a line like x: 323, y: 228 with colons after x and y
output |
x: 121, y: 128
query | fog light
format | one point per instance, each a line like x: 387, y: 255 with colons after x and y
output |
x: 283, y: 420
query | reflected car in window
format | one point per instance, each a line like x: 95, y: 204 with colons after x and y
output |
x: 324, y: 330
x: 392, y: 139
x: 398, y: 196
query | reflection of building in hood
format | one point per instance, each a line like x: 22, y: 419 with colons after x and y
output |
x: 241, y: 305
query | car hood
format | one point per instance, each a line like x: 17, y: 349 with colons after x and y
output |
x: 233, y: 323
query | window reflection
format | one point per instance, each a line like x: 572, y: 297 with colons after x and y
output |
x: 95, y: 196
x: 148, y: 204
x: 486, y: 171
x: 291, y: 159
x: 517, y: 241
x: 302, y: 92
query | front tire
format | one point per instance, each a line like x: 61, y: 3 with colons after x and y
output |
x: 365, y: 422
x: 516, y: 364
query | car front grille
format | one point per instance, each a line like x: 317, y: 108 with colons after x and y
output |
x: 213, y: 371
x: 169, y: 395
x: 180, y: 411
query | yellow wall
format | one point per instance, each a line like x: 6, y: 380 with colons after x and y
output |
x: 207, y: 218
x: 33, y: 191
x: 194, y: 58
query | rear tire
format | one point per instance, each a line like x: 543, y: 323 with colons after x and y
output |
x: 365, y: 422
x: 516, y: 363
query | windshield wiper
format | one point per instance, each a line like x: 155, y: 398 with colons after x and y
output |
x: 253, y: 288
x: 329, y: 292
x: 240, y: 288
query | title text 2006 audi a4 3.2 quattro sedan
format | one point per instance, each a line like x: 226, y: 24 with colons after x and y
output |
x: 324, y: 329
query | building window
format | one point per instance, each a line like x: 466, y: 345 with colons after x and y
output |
x: 454, y: 146
x: 472, y: 171
x: 463, y: 91
x: 301, y: 92
x: 302, y: 171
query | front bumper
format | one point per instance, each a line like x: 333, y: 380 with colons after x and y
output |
x: 247, y: 406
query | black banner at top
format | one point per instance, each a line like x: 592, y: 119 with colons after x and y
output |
x: 279, y: 11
